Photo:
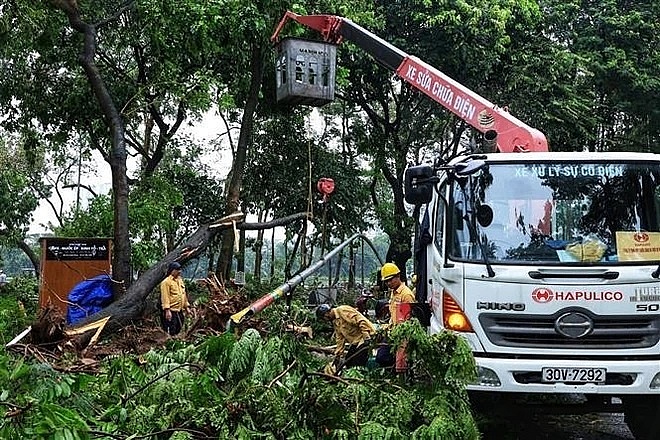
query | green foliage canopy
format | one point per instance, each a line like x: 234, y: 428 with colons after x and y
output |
x: 17, y: 196
x: 247, y: 387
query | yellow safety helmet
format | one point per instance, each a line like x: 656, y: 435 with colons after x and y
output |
x: 389, y: 271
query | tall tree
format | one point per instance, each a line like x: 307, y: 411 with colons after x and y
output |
x: 464, y: 40
x: 617, y: 44
x: 257, y: 54
x: 111, y: 113
x: 253, y: 55
x: 146, y: 71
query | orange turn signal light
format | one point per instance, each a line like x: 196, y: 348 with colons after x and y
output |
x: 453, y: 316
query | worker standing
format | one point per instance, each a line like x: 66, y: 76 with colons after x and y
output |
x: 350, y: 327
x: 399, y: 305
x: 173, y: 300
x: 399, y: 293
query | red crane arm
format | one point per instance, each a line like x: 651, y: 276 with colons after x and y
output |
x: 512, y: 135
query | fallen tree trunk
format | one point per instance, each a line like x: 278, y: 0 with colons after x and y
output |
x: 130, y: 305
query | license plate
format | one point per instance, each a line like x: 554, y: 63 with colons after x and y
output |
x: 573, y: 375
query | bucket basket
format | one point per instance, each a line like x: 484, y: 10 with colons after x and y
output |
x: 305, y: 72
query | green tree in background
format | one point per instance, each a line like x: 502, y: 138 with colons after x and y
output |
x: 466, y: 41
x: 617, y: 44
x: 284, y: 172
x: 17, y: 198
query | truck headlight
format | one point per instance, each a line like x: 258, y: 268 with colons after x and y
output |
x: 655, y: 382
x: 487, y: 377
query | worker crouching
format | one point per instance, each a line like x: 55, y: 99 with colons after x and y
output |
x: 351, y: 327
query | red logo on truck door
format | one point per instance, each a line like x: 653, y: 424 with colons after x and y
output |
x: 542, y: 295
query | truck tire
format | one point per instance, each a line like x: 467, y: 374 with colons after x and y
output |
x: 642, y: 415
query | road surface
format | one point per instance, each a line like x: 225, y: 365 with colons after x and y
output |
x: 568, y: 427
x: 531, y: 421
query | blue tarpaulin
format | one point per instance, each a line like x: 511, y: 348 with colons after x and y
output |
x: 88, y: 297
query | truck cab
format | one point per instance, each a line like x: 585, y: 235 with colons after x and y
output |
x: 548, y: 264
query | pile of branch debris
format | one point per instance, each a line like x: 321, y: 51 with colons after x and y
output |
x: 48, y: 339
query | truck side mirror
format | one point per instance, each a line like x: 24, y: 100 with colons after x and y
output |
x: 418, y: 184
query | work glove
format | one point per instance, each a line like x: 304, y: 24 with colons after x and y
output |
x: 330, y: 369
x: 334, y: 366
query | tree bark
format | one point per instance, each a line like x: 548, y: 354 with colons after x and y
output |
x: 238, y: 165
x: 240, y: 259
x: 399, y: 251
x: 351, y: 267
x: 121, y: 264
x: 258, y: 249
x: 34, y: 259
x: 294, y: 255
x: 272, y: 255
x: 337, y: 274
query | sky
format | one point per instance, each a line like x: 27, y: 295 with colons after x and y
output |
x: 206, y: 130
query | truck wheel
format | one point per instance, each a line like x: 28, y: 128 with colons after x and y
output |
x: 642, y: 414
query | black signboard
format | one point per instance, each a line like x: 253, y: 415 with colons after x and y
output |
x: 77, y: 249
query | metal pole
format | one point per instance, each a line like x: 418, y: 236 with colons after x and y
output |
x: 362, y: 265
x: 280, y: 291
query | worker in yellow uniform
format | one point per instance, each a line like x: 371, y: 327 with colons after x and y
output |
x: 399, y: 296
x: 399, y: 293
x: 173, y: 300
x: 350, y: 327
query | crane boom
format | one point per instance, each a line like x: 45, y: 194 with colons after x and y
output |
x: 497, y: 124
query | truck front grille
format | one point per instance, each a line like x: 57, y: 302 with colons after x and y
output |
x: 538, y: 331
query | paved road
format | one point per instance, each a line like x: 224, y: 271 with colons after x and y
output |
x: 525, y: 421
x: 557, y: 427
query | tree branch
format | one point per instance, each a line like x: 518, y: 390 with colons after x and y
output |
x: 156, y: 379
x: 81, y: 185
x: 130, y: 305
x: 279, y: 376
x: 329, y: 376
x: 123, y: 8
x: 267, y: 225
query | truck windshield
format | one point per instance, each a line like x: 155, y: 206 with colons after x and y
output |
x: 552, y: 213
